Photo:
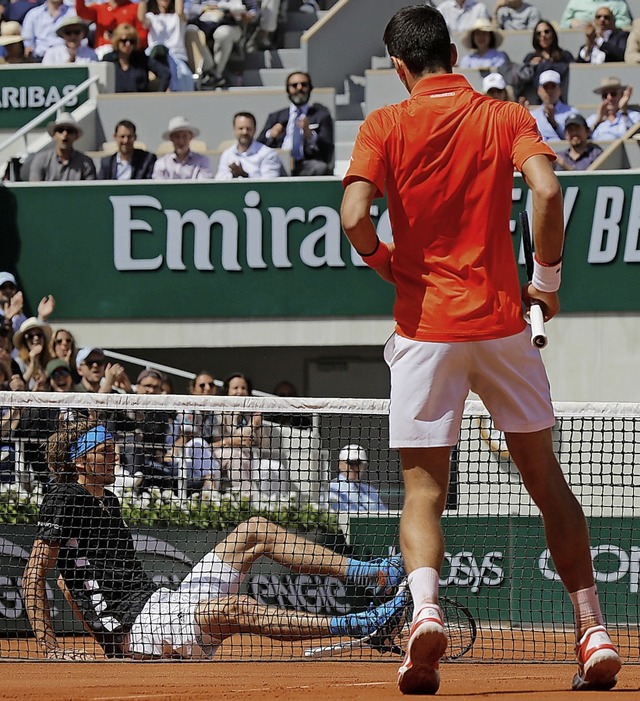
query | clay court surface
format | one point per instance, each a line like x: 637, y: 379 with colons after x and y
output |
x: 246, y: 681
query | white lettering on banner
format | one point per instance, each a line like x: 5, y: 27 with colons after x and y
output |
x: 628, y: 563
x: 632, y: 247
x: 34, y: 96
x: 124, y: 227
x: 464, y: 570
x: 605, y: 230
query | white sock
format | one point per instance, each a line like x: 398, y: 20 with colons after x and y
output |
x: 587, y: 609
x: 423, y: 584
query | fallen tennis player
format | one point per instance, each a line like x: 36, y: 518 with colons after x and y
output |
x: 81, y: 532
x: 446, y: 157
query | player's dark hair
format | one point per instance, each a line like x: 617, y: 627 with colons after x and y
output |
x: 58, y: 446
x: 246, y: 115
x: 127, y: 124
x: 418, y: 36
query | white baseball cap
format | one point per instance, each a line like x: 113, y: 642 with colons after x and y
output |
x: 493, y: 81
x: 353, y: 453
x: 84, y: 353
x: 549, y: 77
x: 7, y: 277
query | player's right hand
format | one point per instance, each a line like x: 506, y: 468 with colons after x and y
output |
x: 549, y: 301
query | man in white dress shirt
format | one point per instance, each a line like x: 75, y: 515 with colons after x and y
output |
x: 182, y: 163
x: 247, y: 158
x: 349, y: 491
x: 461, y: 15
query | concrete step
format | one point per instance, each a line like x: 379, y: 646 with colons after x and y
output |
x: 343, y: 150
x: 278, y: 58
x: 380, y: 62
x: 273, y: 77
x: 346, y: 130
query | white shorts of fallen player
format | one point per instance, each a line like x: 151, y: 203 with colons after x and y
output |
x: 166, y: 625
x: 431, y: 381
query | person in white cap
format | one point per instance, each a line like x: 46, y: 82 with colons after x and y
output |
x: 182, y: 163
x: 552, y: 113
x: 613, y: 118
x: 12, y: 304
x: 62, y: 163
x: 349, y: 492
x: 72, y: 30
x: 495, y: 86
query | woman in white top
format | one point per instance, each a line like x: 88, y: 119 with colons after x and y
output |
x: 166, y: 22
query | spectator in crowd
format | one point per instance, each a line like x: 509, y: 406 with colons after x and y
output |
x: 613, y: 118
x: 461, y: 15
x: 97, y: 375
x: 515, y: 15
x: 132, y: 65
x: 264, y: 38
x: 63, y: 347
x: 166, y: 22
x: 577, y: 13
x: 167, y: 385
x: 182, y: 163
x: 302, y: 128
x: 128, y: 162
x: 495, y: 86
x: 604, y: 42
x: 203, y: 383
x: 15, y: 10
x: 546, y: 56
x: 632, y: 52
x: 31, y: 342
x: 582, y: 152
x: 350, y: 492
x: 247, y: 158
x: 12, y: 303
x: 72, y: 30
x: 551, y: 114
x: 39, y: 27
x: 107, y: 16
x: 484, y: 39
x: 7, y: 361
x: 12, y: 44
x: 60, y: 376
x: 62, y: 163
x: 223, y: 24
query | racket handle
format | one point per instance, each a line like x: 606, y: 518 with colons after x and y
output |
x: 538, y: 334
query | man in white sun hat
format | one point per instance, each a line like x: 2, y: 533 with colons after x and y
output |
x: 349, y: 491
x: 72, y: 30
x: 63, y: 162
x: 182, y: 163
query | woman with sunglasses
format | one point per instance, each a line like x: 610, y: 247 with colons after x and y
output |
x: 62, y: 346
x: 546, y: 56
x: 31, y: 342
x: 133, y: 65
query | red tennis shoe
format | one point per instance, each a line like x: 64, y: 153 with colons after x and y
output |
x: 598, y: 661
x: 419, y: 673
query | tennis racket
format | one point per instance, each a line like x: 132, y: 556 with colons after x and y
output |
x: 536, y: 317
x: 393, y: 636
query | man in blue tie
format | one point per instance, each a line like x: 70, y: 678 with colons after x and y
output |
x: 302, y: 128
x: 349, y: 492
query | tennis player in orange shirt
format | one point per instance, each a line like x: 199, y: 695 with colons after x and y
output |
x: 445, y: 157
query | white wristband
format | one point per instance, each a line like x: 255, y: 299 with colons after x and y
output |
x: 546, y: 278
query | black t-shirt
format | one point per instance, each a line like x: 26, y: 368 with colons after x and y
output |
x: 97, y: 559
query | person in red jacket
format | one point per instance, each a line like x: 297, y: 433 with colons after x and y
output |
x: 108, y: 16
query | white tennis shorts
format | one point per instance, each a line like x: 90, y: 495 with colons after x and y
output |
x: 166, y: 625
x: 430, y: 383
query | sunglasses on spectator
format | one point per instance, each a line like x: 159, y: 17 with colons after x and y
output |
x: 99, y: 362
x: 204, y: 385
x: 60, y: 374
x: 72, y: 32
x: 58, y: 341
x: 612, y: 93
x: 604, y: 16
x: 302, y: 84
x: 69, y: 130
x: 128, y: 40
x: 542, y: 32
x: 34, y: 334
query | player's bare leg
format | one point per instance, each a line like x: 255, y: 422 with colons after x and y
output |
x: 568, y: 540
x: 258, y: 537
x: 228, y: 615
x: 426, y: 479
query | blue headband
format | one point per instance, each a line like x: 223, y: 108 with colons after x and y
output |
x: 89, y: 440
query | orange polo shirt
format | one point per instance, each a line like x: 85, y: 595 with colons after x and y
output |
x: 446, y: 156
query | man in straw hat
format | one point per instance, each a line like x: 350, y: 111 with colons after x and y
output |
x: 182, y: 163
x: 613, y: 118
x: 63, y: 162
x: 72, y: 30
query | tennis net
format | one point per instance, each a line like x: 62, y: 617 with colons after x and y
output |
x: 190, y: 469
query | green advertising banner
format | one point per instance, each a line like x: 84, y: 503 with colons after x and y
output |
x: 500, y: 566
x: 24, y: 94
x: 247, y: 249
